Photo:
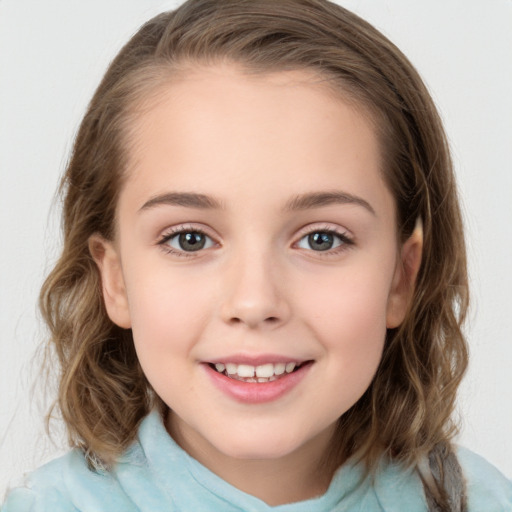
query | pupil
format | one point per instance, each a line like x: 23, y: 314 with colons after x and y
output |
x: 192, y: 241
x: 320, y: 241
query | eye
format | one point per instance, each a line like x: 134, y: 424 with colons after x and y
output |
x: 325, y: 240
x: 187, y: 241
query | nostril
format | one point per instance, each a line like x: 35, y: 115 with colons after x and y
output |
x: 269, y: 320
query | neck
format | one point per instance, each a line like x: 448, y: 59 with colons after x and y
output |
x: 294, y: 477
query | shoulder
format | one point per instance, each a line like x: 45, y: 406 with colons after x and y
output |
x: 42, y: 489
x: 134, y: 484
x: 67, y: 485
x: 487, y: 488
x: 400, y: 488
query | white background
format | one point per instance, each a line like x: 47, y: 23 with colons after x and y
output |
x: 53, y: 54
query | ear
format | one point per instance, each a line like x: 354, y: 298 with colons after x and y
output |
x: 405, y: 277
x: 106, y: 256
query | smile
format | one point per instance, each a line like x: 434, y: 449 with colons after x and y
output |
x: 257, y: 383
x: 268, y: 372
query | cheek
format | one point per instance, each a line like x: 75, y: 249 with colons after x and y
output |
x: 166, y: 326
x: 167, y: 315
x: 348, y: 316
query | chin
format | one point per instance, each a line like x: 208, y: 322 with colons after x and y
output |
x: 258, y: 447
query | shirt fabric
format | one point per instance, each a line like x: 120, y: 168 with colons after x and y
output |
x: 155, y: 474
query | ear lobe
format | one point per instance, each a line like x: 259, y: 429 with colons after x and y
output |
x: 107, y: 258
x: 404, y: 279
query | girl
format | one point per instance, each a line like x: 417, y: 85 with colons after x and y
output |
x: 263, y: 281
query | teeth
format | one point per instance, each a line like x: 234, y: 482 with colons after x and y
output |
x: 245, y: 370
x: 265, y: 370
x: 231, y: 368
x: 263, y: 379
x: 279, y: 368
x: 290, y: 367
x: 263, y: 373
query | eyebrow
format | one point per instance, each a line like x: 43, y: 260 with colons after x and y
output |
x: 300, y: 202
x: 187, y: 199
x: 319, y: 199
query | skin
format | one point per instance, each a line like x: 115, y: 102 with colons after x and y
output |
x: 254, y: 144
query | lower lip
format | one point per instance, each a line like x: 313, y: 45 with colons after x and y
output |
x: 257, y: 392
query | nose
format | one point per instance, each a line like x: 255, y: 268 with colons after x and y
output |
x: 255, y: 293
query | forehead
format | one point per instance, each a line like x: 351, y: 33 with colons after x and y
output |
x: 219, y: 128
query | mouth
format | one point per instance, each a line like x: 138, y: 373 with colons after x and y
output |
x: 257, y: 380
x: 268, y: 372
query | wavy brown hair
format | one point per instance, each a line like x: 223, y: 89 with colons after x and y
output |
x: 407, y: 409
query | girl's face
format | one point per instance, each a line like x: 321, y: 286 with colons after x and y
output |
x: 256, y: 260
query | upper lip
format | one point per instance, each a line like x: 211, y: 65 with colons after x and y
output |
x: 256, y: 360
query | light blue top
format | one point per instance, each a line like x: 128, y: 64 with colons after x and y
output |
x: 155, y: 474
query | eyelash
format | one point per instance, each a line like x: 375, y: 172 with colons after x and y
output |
x: 345, y: 240
x: 176, y: 231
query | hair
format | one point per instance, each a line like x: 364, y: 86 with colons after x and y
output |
x: 407, y: 410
